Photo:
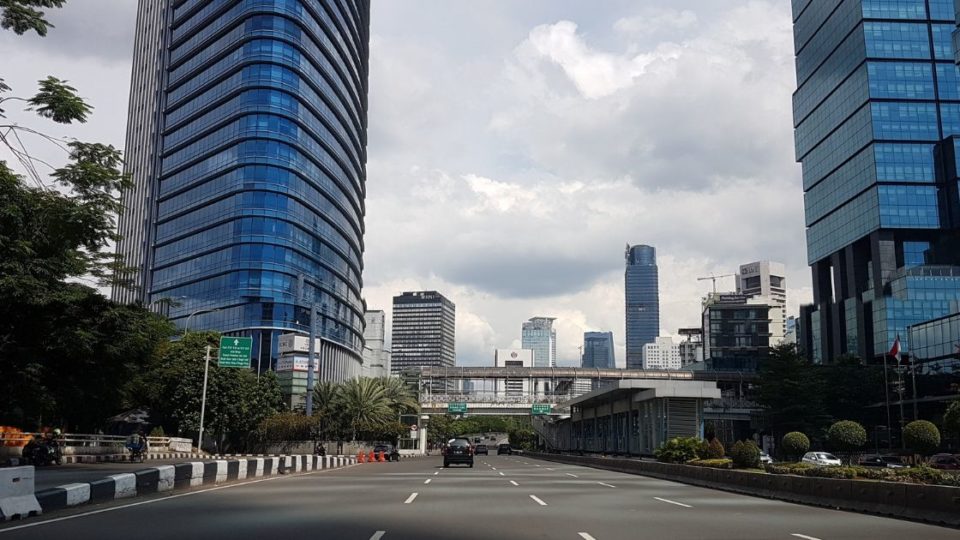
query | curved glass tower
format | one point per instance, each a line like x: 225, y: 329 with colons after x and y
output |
x: 642, y: 288
x: 250, y: 169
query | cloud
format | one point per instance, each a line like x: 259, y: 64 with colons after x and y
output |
x: 657, y: 20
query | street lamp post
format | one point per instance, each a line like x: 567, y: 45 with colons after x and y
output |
x: 186, y: 326
x: 203, y: 400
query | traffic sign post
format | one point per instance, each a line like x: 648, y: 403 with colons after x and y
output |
x: 540, y: 409
x: 457, y: 408
x: 235, y: 352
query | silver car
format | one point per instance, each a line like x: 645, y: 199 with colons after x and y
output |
x: 820, y: 458
x: 765, y: 458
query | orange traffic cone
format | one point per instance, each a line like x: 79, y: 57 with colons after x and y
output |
x: 381, y: 460
x: 372, y: 458
x: 360, y: 457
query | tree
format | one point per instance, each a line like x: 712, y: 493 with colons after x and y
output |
x: 745, y: 454
x: 849, y: 386
x: 794, y: 445
x: 847, y: 435
x: 22, y: 15
x: 922, y: 436
x: 715, y: 449
x: 951, y: 418
x: 399, y: 396
x: 365, y: 405
x: 791, y: 391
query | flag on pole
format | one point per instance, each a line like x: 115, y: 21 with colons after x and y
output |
x: 895, y: 350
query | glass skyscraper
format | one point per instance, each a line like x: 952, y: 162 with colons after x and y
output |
x: 877, y: 117
x: 642, y: 287
x: 539, y: 335
x: 247, y: 146
x: 598, y: 350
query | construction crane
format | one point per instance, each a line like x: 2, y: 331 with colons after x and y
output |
x: 714, y: 279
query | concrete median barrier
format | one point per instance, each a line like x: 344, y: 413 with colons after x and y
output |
x: 17, y: 499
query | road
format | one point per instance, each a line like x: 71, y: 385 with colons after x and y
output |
x: 508, y: 497
x: 53, y: 476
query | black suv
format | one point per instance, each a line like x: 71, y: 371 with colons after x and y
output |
x: 390, y: 452
x: 458, y: 451
x: 504, y: 449
x: 480, y: 449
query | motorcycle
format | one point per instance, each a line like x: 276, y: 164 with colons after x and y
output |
x: 42, y: 453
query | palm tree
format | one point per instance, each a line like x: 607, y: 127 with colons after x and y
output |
x: 365, y: 404
x: 399, y: 395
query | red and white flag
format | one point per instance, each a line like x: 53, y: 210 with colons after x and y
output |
x: 895, y: 350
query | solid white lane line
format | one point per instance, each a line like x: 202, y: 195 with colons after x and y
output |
x: 427, y: 481
x: 378, y: 535
x: 538, y: 501
x: 805, y: 537
x: 501, y: 473
x: 514, y: 483
x: 583, y: 535
x: 571, y: 474
x: 606, y: 484
x: 673, y: 502
x: 410, y: 498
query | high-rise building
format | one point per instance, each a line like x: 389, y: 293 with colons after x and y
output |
x: 691, y: 348
x: 877, y: 117
x: 376, y: 357
x: 513, y: 358
x: 663, y: 353
x: 538, y: 335
x: 736, y: 331
x: 246, y: 142
x: 598, y: 350
x: 767, y: 279
x: 642, y: 288
x: 424, y: 331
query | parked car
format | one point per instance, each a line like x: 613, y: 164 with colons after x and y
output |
x: 886, y: 462
x: 390, y: 452
x: 504, y: 449
x: 946, y: 462
x: 765, y: 458
x: 458, y: 450
x: 480, y: 449
x: 821, y: 458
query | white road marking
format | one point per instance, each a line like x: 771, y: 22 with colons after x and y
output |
x: 536, y: 465
x: 436, y: 473
x: 583, y: 535
x: 537, y: 499
x: 805, y: 537
x: 549, y: 469
x: 410, y: 498
x: 494, y: 468
x: 378, y: 535
x: 427, y: 481
x: 514, y: 483
x: 673, y: 502
x: 571, y: 474
x: 501, y: 473
x: 606, y: 484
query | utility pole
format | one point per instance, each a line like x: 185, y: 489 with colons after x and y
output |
x: 203, y: 400
x: 311, y: 352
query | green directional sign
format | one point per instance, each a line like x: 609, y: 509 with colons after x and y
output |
x: 457, y: 408
x: 539, y: 409
x: 235, y: 351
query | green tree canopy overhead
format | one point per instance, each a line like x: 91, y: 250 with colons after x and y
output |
x: 791, y: 391
x: 21, y: 16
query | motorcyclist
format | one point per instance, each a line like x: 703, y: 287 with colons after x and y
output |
x: 137, y: 444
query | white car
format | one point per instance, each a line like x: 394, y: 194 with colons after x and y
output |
x: 765, y: 458
x: 820, y: 458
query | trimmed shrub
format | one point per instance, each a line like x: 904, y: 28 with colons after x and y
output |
x: 847, y: 435
x: 788, y: 468
x: 951, y: 419
x: 794, y: 445
x: 715, y: 449
x: 745, y: 454
x: 923, y: 475
x: 722, y: 463
x: 681, y: 450
x: 922, y: 436
x: 847, y: 473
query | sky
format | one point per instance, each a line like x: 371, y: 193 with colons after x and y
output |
x: 516, y: 147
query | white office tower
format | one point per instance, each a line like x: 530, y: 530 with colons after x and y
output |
x: 768, y: 279
x: 518, y: 385
x: 662, y: 354
x: 376, y: 358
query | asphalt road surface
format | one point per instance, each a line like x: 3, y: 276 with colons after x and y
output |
x: 502, y: 497
x: 58, y: 475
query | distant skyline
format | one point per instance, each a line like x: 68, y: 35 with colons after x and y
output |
x: 514, y: 150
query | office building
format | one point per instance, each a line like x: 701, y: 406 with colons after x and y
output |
x: 246, y: 142
x: 642, y: 290
x: 663, y: 353
x: 598, y: 350
x: 424, y: 331
x: 767, y: 279
x: 332, y: 365
x: 513, y: 358
x: 877, y: 118
x: 936, y: 348
x: 376, y: 357
x: 691, y: 348
x: 736, y: 331
x: 538, y: 335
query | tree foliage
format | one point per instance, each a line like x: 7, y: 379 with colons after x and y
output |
x: 21, y: 16
x: 847, y: 435
x: 922, y: 437
x: 681, y: 450
x: 715, y: 449
x: 745, y: 454
x: 951, y: 418
x: 794, y: 445
x: 790, y: 390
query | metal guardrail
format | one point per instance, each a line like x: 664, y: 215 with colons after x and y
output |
x: 78, y: 441
x: 494, y: 398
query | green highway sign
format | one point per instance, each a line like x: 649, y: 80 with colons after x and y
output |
x: 540, y: 409
x: 235, y: 351
x: 457, y: 408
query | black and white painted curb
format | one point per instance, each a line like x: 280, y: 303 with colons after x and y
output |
x: 165, y: 478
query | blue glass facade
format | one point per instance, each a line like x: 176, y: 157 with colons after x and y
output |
x: 875, y: 112
x: 259, y: 187
x: 598, y: 351
x: 642, y: 287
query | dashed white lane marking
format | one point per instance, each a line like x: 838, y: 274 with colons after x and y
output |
x: 673, y: 502
x: 501, y: 473
x: 571, y: 474
x: 538, y: 501
x: 427, y: 481
x: 606, y: 484
x: 494, y: 468
x: 536, y: 465
x: 410, y: 498
x: 805, y: 537
x: 514, y: 483
x: 378, y: 535
x: 436, y: 473
x: 583, y: 535
x: 549, y: 469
